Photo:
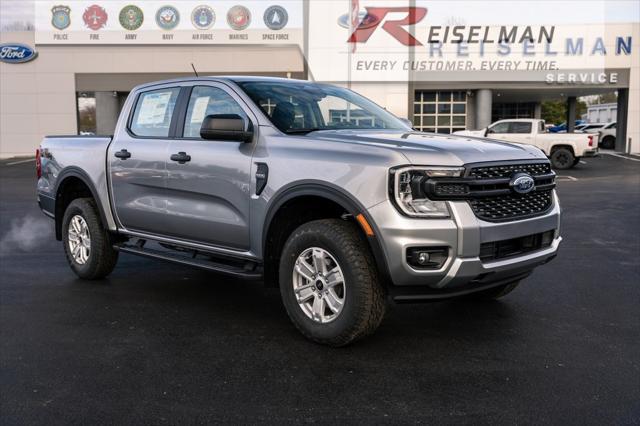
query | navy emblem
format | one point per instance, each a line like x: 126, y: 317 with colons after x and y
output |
x: 15, y: 53
x: 203, y: 17
x: 522, y: 183
x: 131, y: 17
x: 61, y: 17
x: 276, y: 18
x: 239, y: 18
x: 167, y: 17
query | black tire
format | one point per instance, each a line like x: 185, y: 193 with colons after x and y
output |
x: 102, y: 257
x: 562, y: 159
x: 364, y: 298
x: 495, y: 292
x: 609, y: 142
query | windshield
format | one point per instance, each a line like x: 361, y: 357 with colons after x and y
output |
x: 302, y: 107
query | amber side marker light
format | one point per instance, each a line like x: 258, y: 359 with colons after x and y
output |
x: 365, y: 225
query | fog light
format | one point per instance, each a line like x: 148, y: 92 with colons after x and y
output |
x: 547, y: 238
x: 427, y: 257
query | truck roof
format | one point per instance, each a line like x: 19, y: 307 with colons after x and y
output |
x: 222, y: 78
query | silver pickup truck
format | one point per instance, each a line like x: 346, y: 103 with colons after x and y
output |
x: 307, y: 186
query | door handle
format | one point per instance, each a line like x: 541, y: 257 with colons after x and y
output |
x: 123, y: 154
x: 181, y: 157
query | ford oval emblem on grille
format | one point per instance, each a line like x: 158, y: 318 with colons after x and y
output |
x: 522, y: 183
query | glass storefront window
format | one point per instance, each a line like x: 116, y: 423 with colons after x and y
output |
x: 86, y: 113
x: 440, y: 112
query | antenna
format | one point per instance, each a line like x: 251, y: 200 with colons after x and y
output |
x: 194, y: 70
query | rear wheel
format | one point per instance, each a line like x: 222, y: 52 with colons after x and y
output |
x: 495, y: 292
x: 329, y: 283
x: 87, y: 244
x: 562, y: 158
x: 609, y: 142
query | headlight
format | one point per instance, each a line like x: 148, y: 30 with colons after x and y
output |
x: 409, y: 194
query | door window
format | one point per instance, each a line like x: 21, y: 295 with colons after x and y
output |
x: 520, y: 127
x: 153, y: 113
x: 206, y: 100
x: 500, y: 128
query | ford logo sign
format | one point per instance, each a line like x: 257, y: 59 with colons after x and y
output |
x: 522, y: 183
x: 15, y: 53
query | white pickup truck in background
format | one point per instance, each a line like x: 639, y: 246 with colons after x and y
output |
x: 564, y: 149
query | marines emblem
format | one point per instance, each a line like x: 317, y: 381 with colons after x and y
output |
x: 239, y: 18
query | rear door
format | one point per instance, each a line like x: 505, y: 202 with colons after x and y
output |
x: 138, y: 157
x: 208, y: 196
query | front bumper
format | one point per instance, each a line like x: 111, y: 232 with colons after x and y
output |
x: 463, y: 234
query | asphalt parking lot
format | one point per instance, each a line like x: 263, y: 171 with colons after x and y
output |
x: 164, y: 344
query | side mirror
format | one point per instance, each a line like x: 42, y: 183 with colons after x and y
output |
x: 226, y: 127
x: 406, y: 121
x: 488, y: 131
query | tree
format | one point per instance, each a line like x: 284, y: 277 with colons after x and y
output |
x: 556, y: 111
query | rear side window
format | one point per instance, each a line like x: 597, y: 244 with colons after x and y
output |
x: 205, y: 101
x: 520, y: 127
x: 153, y: 113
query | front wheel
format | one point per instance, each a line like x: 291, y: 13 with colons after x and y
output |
x: 562, y: 159
x: 87, y: 244
x: 329, y: 284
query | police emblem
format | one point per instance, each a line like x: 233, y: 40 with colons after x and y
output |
x: 61, y: 17
x: 239, y: 18
x: 203, y: 17
x: 131, y: 17
x: 167, y: 17
x: 95, y: 17
x: 276, y: 18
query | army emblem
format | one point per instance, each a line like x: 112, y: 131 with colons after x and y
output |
x: 167, y: 17
x: 61, y: 17
x: 203, y: 17
x: 239, y: 18
x: 95, y: 17
x: 276, y: 18
x: 131, y: 17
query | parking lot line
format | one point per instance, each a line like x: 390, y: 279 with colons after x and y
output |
x: 613, y: 154
x: 21, y: 162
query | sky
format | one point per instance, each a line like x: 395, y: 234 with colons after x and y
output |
x: 556, y: 11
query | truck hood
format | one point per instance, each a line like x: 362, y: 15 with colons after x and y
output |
x: 434, y: 149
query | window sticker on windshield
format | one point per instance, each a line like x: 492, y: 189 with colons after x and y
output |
x: 200, y: 109
x: 154, y: 108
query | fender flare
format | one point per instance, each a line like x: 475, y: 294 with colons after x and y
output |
x: 80, y: 174
x: 339, y: 196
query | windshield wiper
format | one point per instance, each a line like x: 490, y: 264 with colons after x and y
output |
x: 301, y: 131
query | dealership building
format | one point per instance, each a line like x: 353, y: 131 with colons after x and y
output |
x: 442, y: 76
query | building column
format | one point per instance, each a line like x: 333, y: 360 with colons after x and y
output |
x: 571, y: 113
x: 107, y: 111
x: 621, y: 120
x: 484, y: 103
x: 537, y: 111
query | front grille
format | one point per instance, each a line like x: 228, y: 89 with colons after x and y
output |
x: 503, y: 249
x: 487, y: 189
x: 511, y: 206
x: 507, y: 170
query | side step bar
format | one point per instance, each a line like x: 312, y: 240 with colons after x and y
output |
x: 239, y: 269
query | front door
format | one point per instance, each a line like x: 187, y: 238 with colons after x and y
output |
x: 137, y: 159
x: 208, y: 191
